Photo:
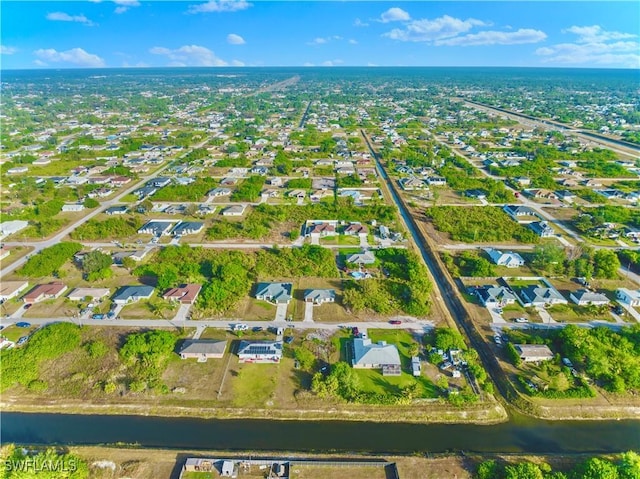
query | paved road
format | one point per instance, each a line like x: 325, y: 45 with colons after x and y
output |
x: 416, y: 325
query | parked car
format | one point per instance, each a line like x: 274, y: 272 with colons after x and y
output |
x: 97, y: 316
x: 256, y: 329
x: 22, y: 340
x: 111, y: 315
x: 395, y: 321
x: 618, y: 309
x: 240, y: 327
x: 521, y: 320
x: 288, y: 339
x: 355, y: 331
x: 23, y: 324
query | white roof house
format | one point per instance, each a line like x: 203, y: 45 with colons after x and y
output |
x: 533, y: 353
x: 584, y: 297
x: 629, y: 297
x: 79, y: 294
x: 319, y: 296
x: 365, y: 257
x: 368, y: 355
x: 508, y: 259
x: 11, y: 289
x: 9, y: 227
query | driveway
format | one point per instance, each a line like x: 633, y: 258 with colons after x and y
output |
x: 281, y: 312
x: 364, y: 243
x: 546, y: 317
x: 631, y: 311
x: 183, y: 312
x: 308, y: 312
x: 496, y: 318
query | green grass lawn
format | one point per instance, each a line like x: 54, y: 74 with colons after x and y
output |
x: 254, y: 385
x: 373, y: 381
x: 574, y: 313
x: 13, y: 333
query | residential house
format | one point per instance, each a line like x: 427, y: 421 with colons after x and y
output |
x: 534, y: 353
x: 72, y: 207
x: 356, y: 229
x: 45, y: 291
x: 276, y: 181
x: 131, y: 294
x: 508, y: 259
x: 364, y: 257
x: 202, y: 349
x: 522, y: 181
x: 4, y: 252
x: 540, y: 296
x: 584, y: 297
x: 260, y: 351
x: 235, y: 210
x: 412, y: 183
x: 10, y: 227
x: 159, y: 182
x: 436, y: 181
x: 628, y: 296
x: 187, y: 228
x: 185, y: 294
x: 319, y: 296
x: 566, y: 195
x: 368, y: 355
x: 321, y: 230
x: 11, y: 289
x: 134, y: 255
x: 116, y: 210
x: 542, y: 229
x: 145, y: 191
x: 299, y: 194
x: 80, y: 294
x: 278, y: 293
x: 320, y: 194
x: 120, y: 180
x: 476, y: 193
x: 516, y: 211
x: 219, y: 192
x: 156, y: 227
x: 495, y: 296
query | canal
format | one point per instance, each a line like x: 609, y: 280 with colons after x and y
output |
x: 519, y: 435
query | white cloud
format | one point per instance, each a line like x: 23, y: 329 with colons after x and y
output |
x: 65, y: 17
x: 595, y: 34
x: 40, y: 63
x: 332, y: 63
x: 359, y: 23
x: 219, y: 6
x: 234, y: 39
x: 308, y: 64
x: 237, y: 63
x: 7, y: 50
x: 426, y: 30
x: 190, y: 55
x: 394, y: 14
x: 353, y: 42
x: 594, y: 47
x: 74, y: 56
x: 323, y: 40
x: 524, y: 35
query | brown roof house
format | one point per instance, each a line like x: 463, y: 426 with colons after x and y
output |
x: 186, y: 294
x: 44, y: 291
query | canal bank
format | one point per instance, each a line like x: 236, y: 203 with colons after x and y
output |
x: 519, y: 435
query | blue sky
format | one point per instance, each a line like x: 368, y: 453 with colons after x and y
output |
x: 129, y: 33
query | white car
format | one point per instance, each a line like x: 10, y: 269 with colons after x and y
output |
x: 521, y: 320
x: 240, y: 327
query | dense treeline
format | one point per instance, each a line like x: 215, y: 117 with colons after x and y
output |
x: 191, y: 192
x: 406, y: 287
x: 627, y: 466
x: 49, y: 260
x: 610, y: 357
x: 249, y: 189
x: 119, y: 227
x: 21, y: 365
x: 479, y: 224
x: 309, y: 260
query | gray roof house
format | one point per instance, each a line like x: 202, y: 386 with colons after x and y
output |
x: 364, y: 257
x: 517, y: 210
x: 131, y: 294
x: 260, y: 351
x: 508, y: 259
x: 319, y: 296
x: 533, y: 353
x: 279, y: 293
x: 540, y: 296
x: 156, y: 227
x: 202, y: 349
x: 541, y: 228
x: 187, y: 228
x: 368, y: 355
x: 116, y: 210
x: 584, y: 297
x: 492, y: 296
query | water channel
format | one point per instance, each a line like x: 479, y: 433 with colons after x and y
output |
x: 518, y: 435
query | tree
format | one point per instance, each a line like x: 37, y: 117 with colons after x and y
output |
x: 524, y: 470
x: 304, y: 357
x: 549, y: 257
x: 447, y: 338
x: 95, y: 261
x: 606, y: 264
x: 596, y: 468
x: 629, y: 465
x: 414, y: 349
x: 488, y: 470
x: 91, y: 203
